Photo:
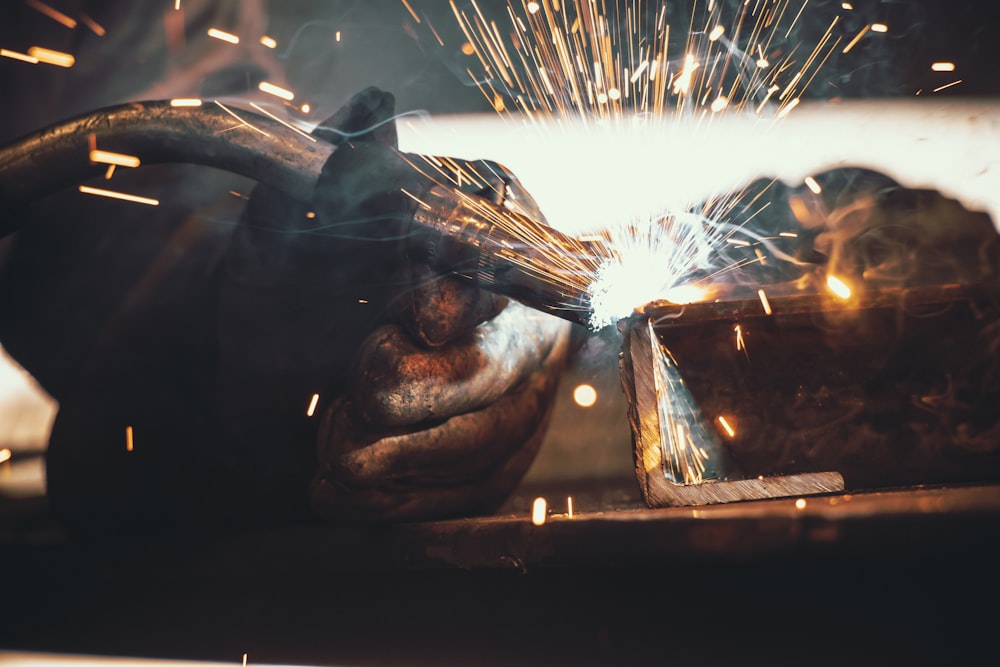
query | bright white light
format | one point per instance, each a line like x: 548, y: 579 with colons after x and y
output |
x: 585, y: 395
x: 539, y: 511
x: 838, y: 286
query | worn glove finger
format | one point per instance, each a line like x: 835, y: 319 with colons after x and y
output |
x: 333, y: 499
x: 468, y: 462
x: 397, y: 382
x: 441, y: 309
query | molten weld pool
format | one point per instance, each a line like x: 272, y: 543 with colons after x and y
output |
x: 886, y: 388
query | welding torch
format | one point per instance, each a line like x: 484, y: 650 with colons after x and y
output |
x: 501, y: 250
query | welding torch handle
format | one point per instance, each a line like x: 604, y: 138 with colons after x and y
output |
x: 215, y: 135
x: 501, y: 250
x: 504, y: 252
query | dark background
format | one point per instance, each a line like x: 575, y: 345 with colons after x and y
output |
x: 929, y: 602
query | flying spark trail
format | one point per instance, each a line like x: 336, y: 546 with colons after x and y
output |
x: 637, y: 70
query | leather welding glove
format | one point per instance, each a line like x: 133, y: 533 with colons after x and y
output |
x: 433, y: 394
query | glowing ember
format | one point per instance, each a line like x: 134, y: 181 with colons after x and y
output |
x: 86, y: 189
x: 539, y: 510
x: 223, y: 36
x: 5, y: 455
x: 410, y: 9
x: 857, y: 38
x: 764, y: 301
x: 838, y: 287
x: 53, y: 14
x: 880, y: 27
x: 277, y: 91
x: 585, y: 395
x: 6, y: 53
x: 311, y: 410
x: 94, y: 26
x: 569, y: 506
x: 269, y: 42
x: 50, y: 57
x: 115, y: 159
x: 943, y: 67
x: 800, y: 504
x: 129, y: 441
x: 724, y: 423
x: 185, y: 102
x: 947, y: 85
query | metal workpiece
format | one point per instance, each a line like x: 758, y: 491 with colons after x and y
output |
x: 504, y: 252
x: 215, y: 135
x: 890, y: 388
x: 657, y: 436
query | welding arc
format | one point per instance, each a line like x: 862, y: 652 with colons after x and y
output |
x: 58, y: 156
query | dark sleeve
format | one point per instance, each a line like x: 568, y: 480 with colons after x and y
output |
x: 111, y: 306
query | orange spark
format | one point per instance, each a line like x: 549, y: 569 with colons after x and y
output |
x: 269, y: 42
x: 569, y: 506
x: 94, y: 26
x: 53, y: 14
x: 813, y: 185
x: 129, y: 442
x: 880, y: 27
x: 223, y: 36
x: 18, y: 56
x: 5, y: 455
x: 538, y: 511
x: 585, y: 395
x: 947, y: 85
x: 410, y: 9
x: 50, y: 57
x: 730, y: 431
x: 86, y: 189
x: 118, y: 159
x: 764, y: 301
x: 943, y: 67
x: 857, y: 38
x: 800, y: 504
x: 312, y: 405
x: 277, y: 91
x: 838, y: 286
x: 185, y: 102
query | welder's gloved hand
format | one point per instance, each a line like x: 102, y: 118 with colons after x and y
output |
x: 434, y: 395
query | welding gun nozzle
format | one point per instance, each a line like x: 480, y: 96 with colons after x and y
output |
x: 504, y: 252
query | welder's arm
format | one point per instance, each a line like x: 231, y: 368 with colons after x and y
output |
x: 433, y: 394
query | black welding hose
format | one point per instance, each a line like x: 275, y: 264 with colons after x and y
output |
x: 214, y: 135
